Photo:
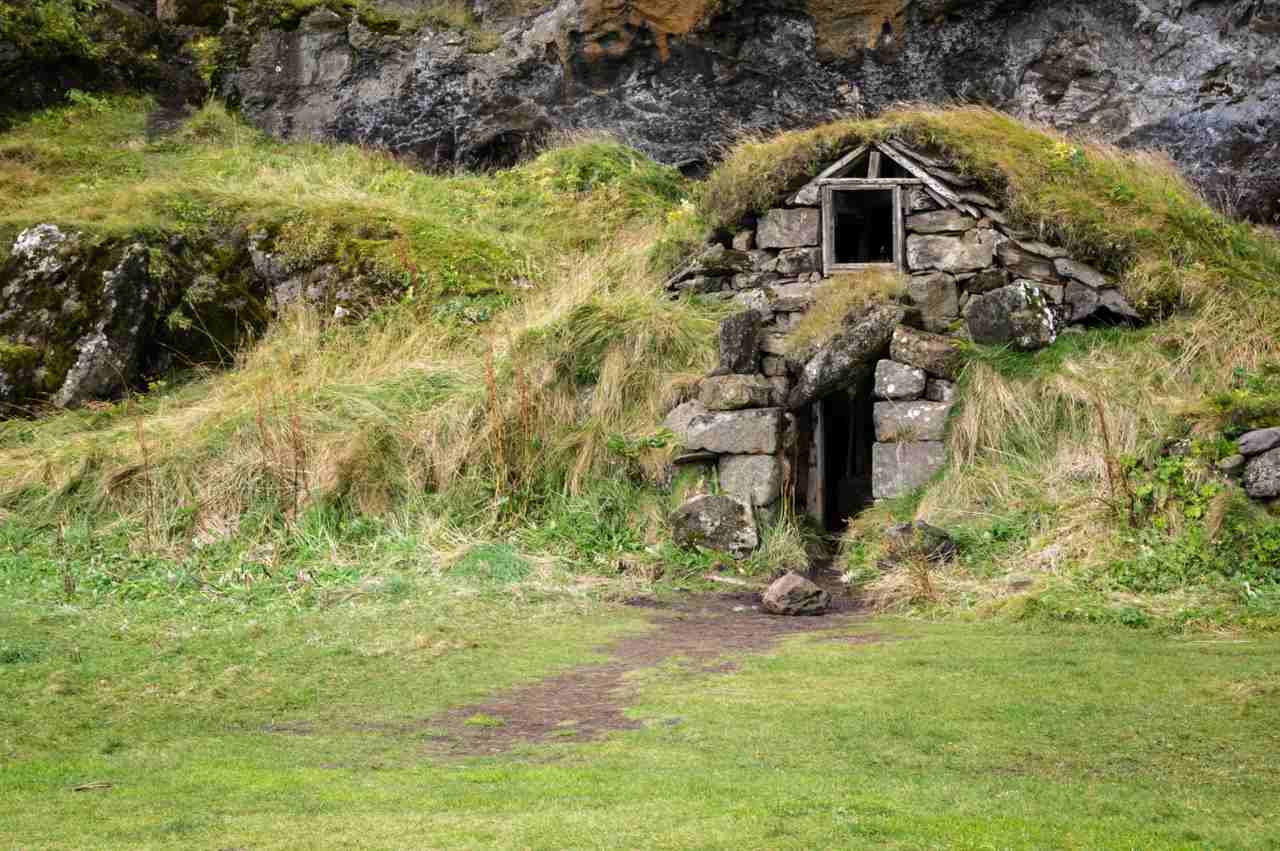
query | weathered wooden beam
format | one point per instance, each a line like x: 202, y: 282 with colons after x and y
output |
x: 873, y: 165
x: 931, y: 182
x: 811, y: 192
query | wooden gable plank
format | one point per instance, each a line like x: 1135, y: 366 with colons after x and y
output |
x: 811, y: 193
x: 932, y: 183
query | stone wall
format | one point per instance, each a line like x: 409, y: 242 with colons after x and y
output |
x: 969, y: 275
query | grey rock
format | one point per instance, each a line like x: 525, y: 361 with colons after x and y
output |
x: 910, y: 421
x: 1232, y: 465
x: 1040, y: 249
x: 918, y: 540
x: 702, y: 284
x: 792, y: 594
x: 739, y: 342
x: 939, y: 356
x: 1262, y: 475
x: 763, y: 261
x: 1024, y: 264
x: 753, y: 479
x: 1114, y: 303
x: 940, y: 221
x: 732, y: 392
x: 756, y: 300
x: 744, y: 240
x: 716, y: 522
x: 792, y: 298
x: 788, y: 228
x: 754, y: 431
x: 772, y: 365
x: 969, y: 253
x: 898, y: 381
x: 1084, y: 302
x: 1196, y: 79
x: 753, y: 280
x: 775, y: 344
x: 940, y: 390
x: 799, y: 261
x: 680, y: 417
x: 713, y: 261
x: 987, y: 280
x: 851, y: 352
x: 779, y: 391
x: 108, y: 355
x: 1258, y: 441
x: 937, y: 297
x: 899, y: 468
x: 1081, y: 301
x: 1081, y: 272
x: 1017, y: 315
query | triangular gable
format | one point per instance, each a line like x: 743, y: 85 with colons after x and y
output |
x: 811, y: 193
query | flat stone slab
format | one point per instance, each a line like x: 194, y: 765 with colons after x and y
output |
x: 940, y: 221
x: 754, y: 479
x: 755, y: 431
x: 1081, y: 272
x: 937, y: 296
x: 788, y: 228
x: 969, y: 253
x: 899, y: 468
x: 910, y: 421
x: 898, y: 381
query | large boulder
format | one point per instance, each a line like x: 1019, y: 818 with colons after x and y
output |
x: 1018, y: 316
x: 754, y: 479
x: 716, y: 522
x: 755, y: 431
x: 1262, y: 475
x: 937, y: 355
x: 899, y: 468
x: 849, y: 353
x: 794, y: 595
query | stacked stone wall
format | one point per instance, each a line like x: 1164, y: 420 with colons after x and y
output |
x: 969, y: 275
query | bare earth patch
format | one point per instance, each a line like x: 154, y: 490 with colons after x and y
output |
x: 590, y: 701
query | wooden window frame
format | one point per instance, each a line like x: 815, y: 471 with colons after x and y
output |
x: 877, y: 184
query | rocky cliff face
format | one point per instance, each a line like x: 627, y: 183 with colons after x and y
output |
x: 678, y: 78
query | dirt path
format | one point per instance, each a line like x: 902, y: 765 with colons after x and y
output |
x: 587, y: 702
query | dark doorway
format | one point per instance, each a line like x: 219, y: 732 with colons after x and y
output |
x: 863, y: 226
x: 834, y: 456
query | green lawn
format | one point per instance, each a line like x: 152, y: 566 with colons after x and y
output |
x: 231, y: 727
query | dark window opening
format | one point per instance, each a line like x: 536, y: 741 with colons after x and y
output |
x: 834, y: 457
x: 863, y: 229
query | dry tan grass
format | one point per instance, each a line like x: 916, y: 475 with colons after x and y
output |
x: 840, y: 298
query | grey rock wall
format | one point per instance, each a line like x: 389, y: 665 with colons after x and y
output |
x: 1200, y: 79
